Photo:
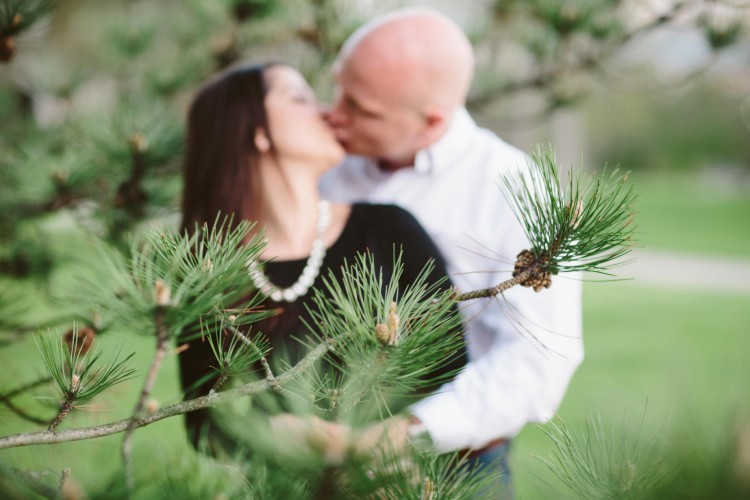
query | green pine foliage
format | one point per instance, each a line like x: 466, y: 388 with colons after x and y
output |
x: 77, y: 370
x: 387, y: 337
x: 585, y: 227
x: 189, y: 278
x: 594, y: 461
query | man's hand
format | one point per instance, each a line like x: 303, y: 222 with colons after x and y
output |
x: 336, y: 442
x: 388, y: 436
x: 310, y: 434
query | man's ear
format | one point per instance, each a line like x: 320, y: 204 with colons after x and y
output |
x: 262, y: 142
x: 435, y: 124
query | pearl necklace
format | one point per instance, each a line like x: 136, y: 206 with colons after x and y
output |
x: 309, y: 273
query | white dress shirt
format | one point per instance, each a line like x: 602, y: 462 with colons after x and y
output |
x: 524, y: 346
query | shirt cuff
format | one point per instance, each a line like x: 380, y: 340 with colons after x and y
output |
x: 449, y: 427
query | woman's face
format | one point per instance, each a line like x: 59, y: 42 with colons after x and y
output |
x: 297, y: 129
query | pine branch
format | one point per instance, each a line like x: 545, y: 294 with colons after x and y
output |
x: 420, y: 475
x: 586, y: 227
x: 209, y: 401
x: 595, y: 462
x: 386, y: 337
x: 200, y: 272
x: 270, y: 378
x: 238, y: 354
x: 492, y: 291
x: 75, y: 369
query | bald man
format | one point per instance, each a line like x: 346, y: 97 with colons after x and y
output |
x: 402, y: 81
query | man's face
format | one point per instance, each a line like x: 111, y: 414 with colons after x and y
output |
x: 371, y: 118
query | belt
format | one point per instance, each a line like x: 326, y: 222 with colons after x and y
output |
x: 471, y: 454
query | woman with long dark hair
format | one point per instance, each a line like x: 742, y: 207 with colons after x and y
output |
x: 256, y: 149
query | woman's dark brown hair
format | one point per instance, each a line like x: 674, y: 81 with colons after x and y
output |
x: 221, y: 159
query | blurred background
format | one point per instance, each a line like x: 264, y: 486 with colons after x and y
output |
x: 92, y: 103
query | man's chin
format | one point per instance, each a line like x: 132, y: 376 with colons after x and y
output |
x: 352, y: 149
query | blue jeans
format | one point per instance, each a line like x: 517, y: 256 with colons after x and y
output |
x: 495, y: 462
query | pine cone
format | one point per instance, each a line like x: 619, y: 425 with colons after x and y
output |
x: 538, y: 279
x: 83, y: 343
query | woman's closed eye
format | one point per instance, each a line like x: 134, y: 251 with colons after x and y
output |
x: 302, y: 95
x: 300, y: 98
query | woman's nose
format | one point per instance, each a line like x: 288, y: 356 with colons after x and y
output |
x: 325, y: 112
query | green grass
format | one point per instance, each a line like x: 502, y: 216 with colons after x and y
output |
x: 681, y: 359
x: 691, y: 213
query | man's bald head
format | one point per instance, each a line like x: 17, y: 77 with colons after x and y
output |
x: 420, y: 53
x: 400, y: 79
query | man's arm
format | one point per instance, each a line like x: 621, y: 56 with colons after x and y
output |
x: 518, y: 380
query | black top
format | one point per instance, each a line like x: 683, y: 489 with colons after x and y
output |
x: 381, y: 230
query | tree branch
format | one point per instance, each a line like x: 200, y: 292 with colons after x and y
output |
x: 51, y: 437
x: 589, y: 62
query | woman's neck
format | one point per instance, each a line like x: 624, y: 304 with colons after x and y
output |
x: 290, y: 217
x: 289, y: 211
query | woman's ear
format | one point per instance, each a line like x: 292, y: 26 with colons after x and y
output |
x: 262, y: 143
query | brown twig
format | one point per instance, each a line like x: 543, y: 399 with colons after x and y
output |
x: 219, y: 383
x: 530, y: 271
x: 66, y: 408
x: 492, y: 291
x: 162, y: 343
